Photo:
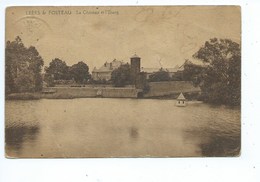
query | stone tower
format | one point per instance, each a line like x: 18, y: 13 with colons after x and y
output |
x: 135, y: 68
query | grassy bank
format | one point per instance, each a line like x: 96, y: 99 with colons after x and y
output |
x: 36, y: 96
x: 24, y: 96
x: 75, y: 92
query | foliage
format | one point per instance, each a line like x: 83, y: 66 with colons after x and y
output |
x: 121, y: 76
x: 221, y: 80
x: 79, y: 72
x: 178, y: 76
x: 23, y: 67
x: 48, y: 78
x: 160, y: 75
x: 35, y: 66
x: 100, y: 82
x: 194, y: 73
x: 58, y: 69
x: 25, y: 81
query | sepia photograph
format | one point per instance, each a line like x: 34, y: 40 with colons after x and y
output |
x: 122, y: 81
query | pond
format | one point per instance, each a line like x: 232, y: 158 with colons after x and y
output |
x: 102, y: 127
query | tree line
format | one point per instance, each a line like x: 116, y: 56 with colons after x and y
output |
x: 24, y: 65
x: 58, y: 70
x: 23, y: 68
x: 219, y: 77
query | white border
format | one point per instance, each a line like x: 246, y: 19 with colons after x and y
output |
x: 243, y: 168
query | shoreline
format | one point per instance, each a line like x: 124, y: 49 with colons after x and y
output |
x: 157, y: 90
x: 39, y: 96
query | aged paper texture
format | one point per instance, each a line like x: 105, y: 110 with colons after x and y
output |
x: 148, y: 81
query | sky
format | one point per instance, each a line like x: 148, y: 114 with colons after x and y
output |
x: 163, y: 36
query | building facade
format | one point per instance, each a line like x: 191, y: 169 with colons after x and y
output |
x: 105, y: 71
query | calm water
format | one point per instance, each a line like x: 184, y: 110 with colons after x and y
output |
x: 120, y: 127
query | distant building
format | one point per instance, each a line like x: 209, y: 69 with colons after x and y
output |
x: 105, y: 71
x: 149, y: 71
x: 174, y: 71
x: 177, y: 71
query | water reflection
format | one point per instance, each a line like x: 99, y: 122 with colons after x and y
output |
x: 133, y: 133
x: 221, y: 146
x: 217, y: 141
x: 92, y: 128
x: 17, y: 134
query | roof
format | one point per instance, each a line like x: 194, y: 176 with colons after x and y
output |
x: 181, y: 97
x: 108, y: 67
x: 135, y: 56
x: 102, y: 69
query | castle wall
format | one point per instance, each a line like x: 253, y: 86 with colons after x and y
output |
x: 88, y: 91
x: 165, y: 88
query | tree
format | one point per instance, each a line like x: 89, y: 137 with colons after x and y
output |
x: 58, y: 69
x: 48, y: 78
x: 25, y: 81
x: 79, y: 72
x: 23, y: 67
x: 121, y: 76
x: 35, y: 66
x: 194, y: 73
x: 13, y: 62
x: 222, y: 77
x: 160, y: 75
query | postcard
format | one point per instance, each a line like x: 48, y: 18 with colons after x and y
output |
x: 122, y: 81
